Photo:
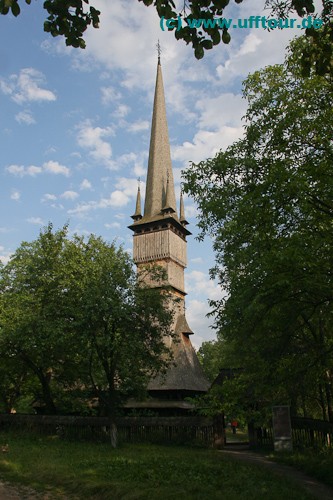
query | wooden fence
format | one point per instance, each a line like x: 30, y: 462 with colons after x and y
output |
x: 180, y: 430
x: 306, y: 433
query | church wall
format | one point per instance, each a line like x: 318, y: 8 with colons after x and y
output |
x: 158, y: 245
x: 176, y: 275
x: 174, y: 272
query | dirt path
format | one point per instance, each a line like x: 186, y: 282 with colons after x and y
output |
x: 312, y: 486
x: 11, y: 492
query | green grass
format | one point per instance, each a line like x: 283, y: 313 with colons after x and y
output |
x: 240, y: 436
x: 316, y: 463
x: 94, y: 470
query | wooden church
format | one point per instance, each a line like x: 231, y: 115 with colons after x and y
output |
x: 160, y: 238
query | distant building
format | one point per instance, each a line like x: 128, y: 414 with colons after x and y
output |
x: 160, y: 238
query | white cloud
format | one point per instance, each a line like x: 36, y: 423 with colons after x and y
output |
x: 223, y: 110
x: 82, y: 209
x: 48, y: 197
x: 132, y: 160
x: 198, y: 282
x: 118, y: 198
x: 109, y: 95
x: 26, y: 87
x: 33, y: 170
x: 35, y: 220
x: 128, y: 186
x: 16, y: 195
x: 5, y: 256
x: 191, y: 211
x: 219, y: 123
x: 92, y: 138
x: 205, y: 144
x: 69, y: 195
x: 250, y: 44
x: 113, y: 225
x: 138, y: 126
x: 53, y: 167
x: 85, y: 184
x: 18, y: 170
x: 126, y: 190
x: 122, y: 111
x: 21, y: 171
x: 50, y: 150
x: 5, y: 87
x: 25, y: 117
x: 196, y: 260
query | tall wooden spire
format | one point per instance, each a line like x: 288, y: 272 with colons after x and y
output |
x: 160, y: 184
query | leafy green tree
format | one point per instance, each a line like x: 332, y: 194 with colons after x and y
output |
x: 123, y: 323
x: 268, y: 201
x: 36, y: 325
x: 71, y: 19
x: 210, y: 355
x: 76, y: 316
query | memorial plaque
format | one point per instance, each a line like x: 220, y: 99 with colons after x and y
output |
x: 282, y: 428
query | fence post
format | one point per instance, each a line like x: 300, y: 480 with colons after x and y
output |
x: 218, y: 432
x: 252, y: 432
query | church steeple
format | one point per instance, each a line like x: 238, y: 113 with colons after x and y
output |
x: 160, y: 238
x: 160, y: 190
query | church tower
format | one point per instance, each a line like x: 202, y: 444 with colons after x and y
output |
x: 160, y: 238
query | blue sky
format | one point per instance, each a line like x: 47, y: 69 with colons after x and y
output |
x: 75, y: 124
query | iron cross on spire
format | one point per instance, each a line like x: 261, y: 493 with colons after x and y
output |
x: 159, y: 50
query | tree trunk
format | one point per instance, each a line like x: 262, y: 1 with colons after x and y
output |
x: 322, y: 402
x: 111, y: 405
x: 6, y: 403
x: 45, y: 383
x: 50, y: 407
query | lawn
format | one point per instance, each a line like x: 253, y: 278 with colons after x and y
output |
x: 240, y: 437
x: 78, y: 470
